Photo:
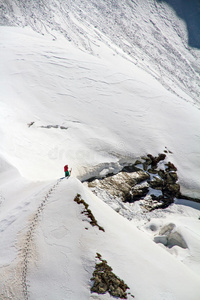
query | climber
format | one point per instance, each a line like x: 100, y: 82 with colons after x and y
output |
x: 67, y: 172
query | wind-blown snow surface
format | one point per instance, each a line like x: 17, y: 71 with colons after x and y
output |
x: 109, y: 110
x: 150, y: 33
x: 87, y: 103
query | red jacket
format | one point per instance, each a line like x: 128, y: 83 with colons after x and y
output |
x: 66, y: 168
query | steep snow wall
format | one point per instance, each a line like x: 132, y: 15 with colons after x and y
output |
x: 161, y: 37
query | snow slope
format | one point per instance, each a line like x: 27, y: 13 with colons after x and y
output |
x: 95, y: 84
x: 109, y: 109
x: 154, y: 35
x: 57, y: 252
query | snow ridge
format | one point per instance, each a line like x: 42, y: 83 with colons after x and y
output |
x: 26, y: 250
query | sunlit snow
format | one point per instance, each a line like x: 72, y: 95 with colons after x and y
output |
x: 95, y: 92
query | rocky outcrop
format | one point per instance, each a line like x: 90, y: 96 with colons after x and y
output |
x: 149, y: 179
x: 122, y: 185
x: 137, y: 192
x: 87, y: 212
x: 104, y: 280
x: 163, y: 179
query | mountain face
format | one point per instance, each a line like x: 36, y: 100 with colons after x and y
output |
x: 162, y: 37
x: 110, y: 88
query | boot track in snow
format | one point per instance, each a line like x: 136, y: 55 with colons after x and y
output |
x: 26, y: 251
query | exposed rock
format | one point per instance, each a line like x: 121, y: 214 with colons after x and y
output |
x: 104, y: 280
x: 149, y: 204
x: 146, y: 158
x: 153, y: 202
x: 170, y: 177
x: 165, y: 181
x: 152, y: 171
x: 161, y: 173
x: 170, y: 167
x: 171, y: 190
x: 152, y: 161
x: 88, y: 212
x: 121, y: 184
x: 141, y: 176
x: 147, y: 163
x: 126, y: 185
x: 156, y: 159
x: 156, y: 183
x: 130, y: 168
x: 137, y: 192
x: 167, y: 150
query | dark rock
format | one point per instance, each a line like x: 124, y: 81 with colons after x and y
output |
x: 161, y: 173
x: 104, y: 280
x: 170, y: 178
x: 142, y: 176
x: 163, y: 202
x: 130, y: 169
x: 145, y: 166
x: 161, y: 156
x: 157, y: 198
x: 159, y: 202
x: 88, y: 212
x: 156, y: 183
x: 171, y: 189
x: 147, y: 162
x: 121, y: 184
x: 151, y: 157
x: 174, y: 176
x: 170, y: 167
x: 132, y: 183
x: 136, y: 193
x: 118, y: 292
x: 153, y: 171
x: 155, y: 160
x: 99, y: 287
x: 146, y: 158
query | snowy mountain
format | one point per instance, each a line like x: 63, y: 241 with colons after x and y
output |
x: 97, y: 85
x: 162, y: 37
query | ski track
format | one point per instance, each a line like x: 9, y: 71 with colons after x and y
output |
x: 26, y: 249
